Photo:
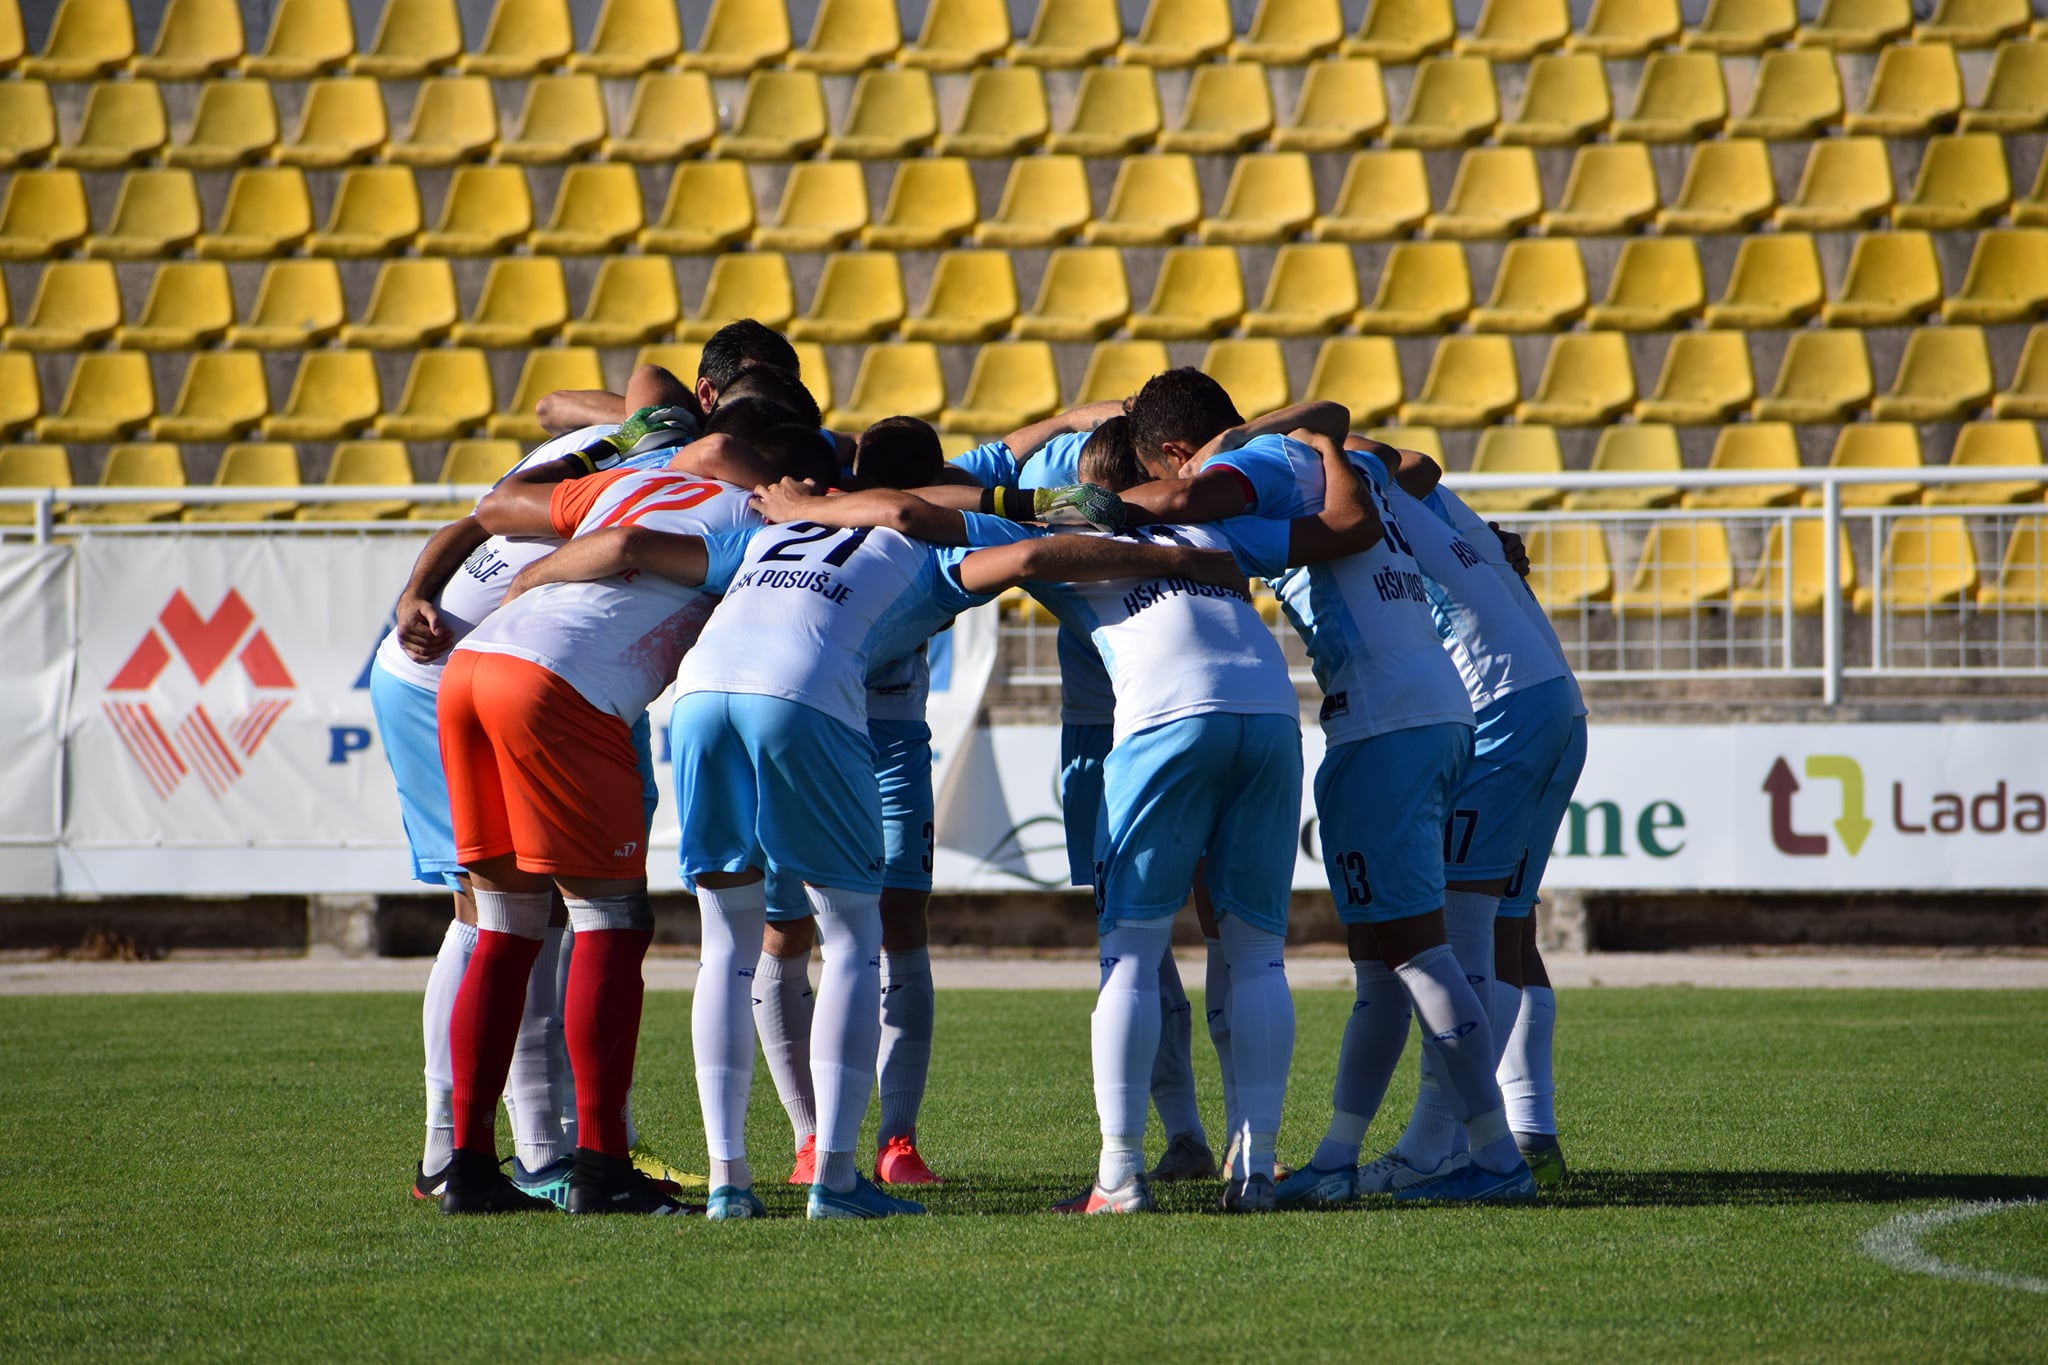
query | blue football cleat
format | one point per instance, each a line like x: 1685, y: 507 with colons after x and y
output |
x: 1473, y: 1184
x: 550, y: 1182
x: 862, y: 1201
x: 1313, y: 1187
x: 730, y: 1202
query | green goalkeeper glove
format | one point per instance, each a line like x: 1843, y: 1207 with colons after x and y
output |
x: 1079, y: 504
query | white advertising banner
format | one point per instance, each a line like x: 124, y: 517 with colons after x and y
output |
x: 36, y: 623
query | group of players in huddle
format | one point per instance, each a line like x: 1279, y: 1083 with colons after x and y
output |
x: 786, y: 580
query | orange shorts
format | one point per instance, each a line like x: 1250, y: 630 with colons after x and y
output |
x: 536, y: 771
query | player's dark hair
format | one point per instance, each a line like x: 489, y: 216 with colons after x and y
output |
x: 748, y: 418
x: 899, y: 452
x: 802, y: 451
x: 778, y: 386
x: 1110, y: 459
x: 1181, y: 405
x: 735, y: 345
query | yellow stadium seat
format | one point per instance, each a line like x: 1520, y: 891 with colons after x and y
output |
x: 2007, y: 280
x: 1775, y: 282
x: 1115, y: 113
x: 972, y: 298
x: 1424, y: 440
x: 742, y: 286
x: 931, y: 204
x: 1005, y: 115
x: 1892, y: 279
x: 267, y: 213
x: 235, y: 122
x: 155, y: 214
x: 223, y: 396
x: 894, y: 113
x: 2028, y: 396
x: 1874, y: 445
x: 524, y: 38
x: 1611, y: 188
x: 811, y: 368
x: 540, y: 374
x: 1587, y: 379
x: 334, y: 394
x: 1568, y: 564
x: 307, y: 37
x: 412, y: 304
x: 1229, y: 108
x: 1453, y: 103
x: 859, y: 298
x: 454, y: 118
x: 597, y: 209
x: 123, y: 125
x: 1180, y: 33
x: 1798, y: 93
x: 485, y: 211
x: 1251, y: 370
x: 1564, y: 103
x: 1823, y: 377
x: 1750, y: 447
x: 2016, y: 95
x: 1362, y: 373
x: 1917, y: 90
x: 1045, y: 202
x: 563, y: 119
x: 1655, y: 287
x: 21, y: 398
x: 1973, y: 23
x: 1857, y: 25
x: 77, y: 305
x: 1928, y: 562
x: 1118, y: 369
x: 709, y: 206
x: 1516, y: 30
x: 740, y: 36
x: 1403, y: 31
x: 1681, y: 99
x: 525, y: 299
x: 631, y: 36
x: 1847, y: 183
x: 28, y: 122
x: 1312, y: 290
x: 189, y: 305
x: 1083, y: 296
x: 1981, y: 444
x: 1539, y: 287
x: 1013, y: 383
x: 2032, y: 210
x: 1342, y: 104
x: 1290, y: 32
x: 632, y: 300
x: 781, y: 119
x: 1705, y: 380
x: 195, y: 39
x: 109, y: 395
x: 1068, y: 33
x: 850, y: 36
x: 959, y: 35
x: 137, y: 465
x: 447, y: 392
x: 1627, y: 28
x: 2022, y: 581
x: 1944, y: 375
x: 1155, y: 200
x: 297, y: 304
x: 86, y: 38
x: 1270, y: 198
x: 32, y: 466
x: 472, y: 461
x: 1646, y: 448
x: 1472, y: 382
x: 672, y: 116
x: 897, y: 379
x: 1685, y: 566
x: 43, y: 214
x: 381, y: 464
x: 376, y: 212
x: 252, y: 464
x: 1515, y: 450
x: 1496, y: 193
x: 1199, y: 293
x: 1727, y: 188
x: 414, y: 38
x: 342, y: 121
x: 824, y: 205
x: 1962, y: 184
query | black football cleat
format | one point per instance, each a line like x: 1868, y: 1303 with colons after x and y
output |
x: 477, y: 1184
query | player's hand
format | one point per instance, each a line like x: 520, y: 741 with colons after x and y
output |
x: 1517, y: 549
x: 1080, y: 504
x: 789, y: 500
x: 1218, y: 568
x: 529, y: 578
x: 649, y: 422
x: 421, y: 633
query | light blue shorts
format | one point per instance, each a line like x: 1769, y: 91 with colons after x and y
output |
x: 903, y: 768
x: 1515, y: 749
x: 1380, y: 805
x: 765, y: 782
x: 1520, y: 897
x: 1082, y: 749
x: 1225, y: 785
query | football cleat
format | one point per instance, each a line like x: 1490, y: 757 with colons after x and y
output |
x: 862, y: 1201
x: 899, y: 1164
x: 1545, y: 1157
x: 1252, y: 1194
x: 1187, y: 1157
x: 1133, y: 1196
x: 608, y: 1184
x: 1390, y: 1174
x: 475, y: 1184
x: 426, y: 1186
x: 661, y: 1173
x: 1473, y: 1184
x: 805, y: 1172
x: 730, y: 1203
x: 550, y: 1182
x: 1314, y: 1187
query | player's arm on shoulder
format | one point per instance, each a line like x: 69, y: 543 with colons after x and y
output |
x: 725, y: 458
x: 564, y: 410
x: 618, y: 550
x: 1348, y: 524
x: 518, y: 507
x: 1026, y: 441
x: 1211, y: 495
x: 1331, y: 419
x: 1416, y: 473
x: 892, y: 509
x: 418, y: 622
x: 1086, y: 559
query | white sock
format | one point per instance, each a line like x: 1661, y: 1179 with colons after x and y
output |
x: 782, y: 1016
x: 721, y: 1026
x: 1503, y: 1009
x: 1173, y: 1069
x: 904, y: 1064
x: 1525, y: 1076
x: 1434, y: 1132
x: 1261, y: 1037
x: 1454, y: 1025
x: 530, y: 1086
x: 1468, y: 926
x: 1216, y: 1005
x: 561, y: 1075
x: 846, y: 1026
x: 1124, y: 1037
x: 1374, y: 1035
x: 442, y: 984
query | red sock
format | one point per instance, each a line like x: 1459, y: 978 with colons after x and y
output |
x: 601, y: 1022
x: 484, y: 1029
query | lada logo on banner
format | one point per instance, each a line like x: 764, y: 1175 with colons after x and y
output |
x: 160, y: 710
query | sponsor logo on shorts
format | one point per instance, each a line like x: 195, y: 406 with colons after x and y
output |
x: 627, y: 849
x: 1335, y: 705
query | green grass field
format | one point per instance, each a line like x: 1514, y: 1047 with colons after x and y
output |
x: 226, y: 1176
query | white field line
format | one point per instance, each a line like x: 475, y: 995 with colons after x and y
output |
x: 1897, y: 1244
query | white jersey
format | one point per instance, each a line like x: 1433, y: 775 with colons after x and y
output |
x: 1176, y: 648
x: 1472, y: 528
x: 618, y: 640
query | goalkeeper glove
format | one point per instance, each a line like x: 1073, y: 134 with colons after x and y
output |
x: 1080, y: 504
